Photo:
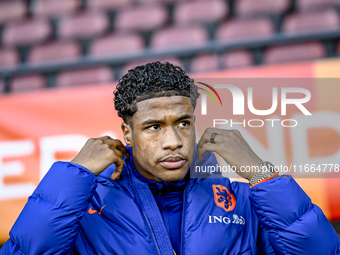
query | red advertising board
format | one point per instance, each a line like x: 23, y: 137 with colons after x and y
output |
x: 39, y: 128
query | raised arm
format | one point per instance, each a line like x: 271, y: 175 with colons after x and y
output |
x: 50, y: 220
x: 292, y: 224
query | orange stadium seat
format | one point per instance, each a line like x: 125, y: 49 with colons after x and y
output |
x: 81, y: 25
x: 26, y: 32
x: 27, y: 82
x: 52, y: 8
x: 311, y: 21
x: 133, y: 64
x: 179, y: 36
x: 245, y: 28
x: 201, y: 11
x: 294, y: 52
x: 204, y: 63
x: 12, y: 10
x: 91, y: 75
x: 57, y: 51
x: 260, y: 7
x: 304, y: 5
x: 116, y: 44
x: 108, y: 4
x: 237, y: 59
x: 9, y: 57
x: 143, y: 17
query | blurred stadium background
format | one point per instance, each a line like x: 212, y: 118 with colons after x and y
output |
x: 48, y: 43
x: 66, y: 43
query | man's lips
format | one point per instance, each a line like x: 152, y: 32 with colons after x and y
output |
x: 173, y: 162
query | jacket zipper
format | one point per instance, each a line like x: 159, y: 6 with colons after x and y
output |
x: 164, y: 214
x: 152, y: 233
x: 182, y: 226
x: 189, y: 185
x: 145, y: 217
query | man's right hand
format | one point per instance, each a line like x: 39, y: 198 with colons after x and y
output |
x: 98, y: 153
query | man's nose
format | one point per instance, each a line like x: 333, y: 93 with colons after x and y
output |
x: 171, y: 139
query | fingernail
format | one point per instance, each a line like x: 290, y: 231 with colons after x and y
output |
x: 114, y: 176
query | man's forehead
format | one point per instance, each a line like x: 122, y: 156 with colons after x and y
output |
x: 160, y: 107
x: 163, y: 103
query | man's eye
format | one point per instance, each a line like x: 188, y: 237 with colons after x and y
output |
x: 184, y: 124
x: 153, y: 127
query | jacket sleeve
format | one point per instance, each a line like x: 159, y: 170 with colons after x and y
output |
x: 293, y: 223
x: 49, y: 222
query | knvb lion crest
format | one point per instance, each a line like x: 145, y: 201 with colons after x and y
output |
x: 223, y: 198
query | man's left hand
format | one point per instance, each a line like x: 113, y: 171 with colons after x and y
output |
x: 232, y: 147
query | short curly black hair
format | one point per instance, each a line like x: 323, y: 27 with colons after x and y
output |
x: 152, y: 80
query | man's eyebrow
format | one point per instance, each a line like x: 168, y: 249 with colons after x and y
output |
x: 186, y: 116
x: 151, y: 121
x: 154, y: 121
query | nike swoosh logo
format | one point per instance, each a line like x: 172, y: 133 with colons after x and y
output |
x: 92, y: 211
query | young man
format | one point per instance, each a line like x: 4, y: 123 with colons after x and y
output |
x: 140, y: 199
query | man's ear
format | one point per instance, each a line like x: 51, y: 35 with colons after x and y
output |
x: 127, y: 134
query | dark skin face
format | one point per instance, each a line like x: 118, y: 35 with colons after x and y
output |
x: 162, y: 136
